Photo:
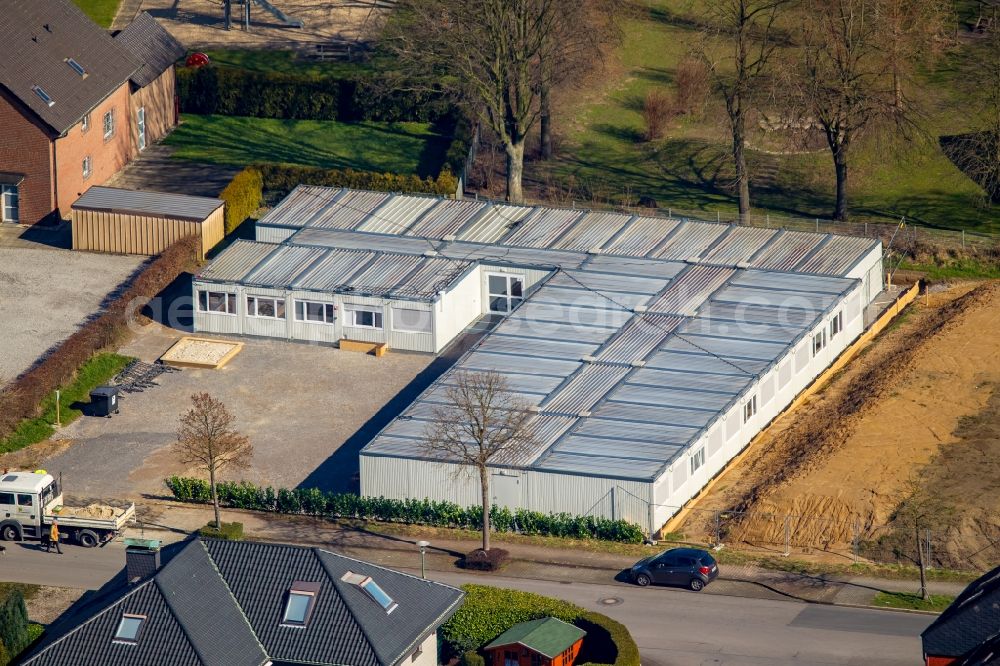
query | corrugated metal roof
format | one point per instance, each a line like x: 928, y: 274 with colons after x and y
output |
x: 349, y: 210
x: 385, y: 273
x: 542, y: 227
x: 283, y: 265
x: 741, y: 244
x: 585, y: 388
x: 638, y: 338
x: 431, y: 276
x: 144, y: 202
x: 690, y: 289
x: 786, y: 249
x: 350, y: 240
x: 640, y: 236
x: 838, y: 256
x: 299, y: 206
x: 592, y: 231
x: 691, y: 240
x: 397, y: 215
x: 493, y: 223
x: 334, y: 270
x: 447, y: 217
x: 237, y: 261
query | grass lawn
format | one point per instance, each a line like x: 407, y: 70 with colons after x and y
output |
x: 101, y: 12
x: 95, y: 372
x: 604, y: 153
x: 369, y: 146
x: 935, y: 602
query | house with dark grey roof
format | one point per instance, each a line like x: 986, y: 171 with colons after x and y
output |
x: 235, y: 603
x: 968, y: 631
x: 76, y: 104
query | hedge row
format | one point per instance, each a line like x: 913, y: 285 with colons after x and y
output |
x: 240, y: 92
x: 14, y: 633
x: 312, y: 501
x: 489, y: 611
x: 280, y: 179
x: 22, y: 398
x: 243, y: 196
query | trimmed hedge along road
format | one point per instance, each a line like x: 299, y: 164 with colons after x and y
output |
x: 313, y: 501
x: 488, y: 611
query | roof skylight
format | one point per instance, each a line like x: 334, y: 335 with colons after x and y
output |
x: 300, y: 603
x: 128, y: 628
x: 77, y: 67
x: 44, y: 96
x: 372, y: 589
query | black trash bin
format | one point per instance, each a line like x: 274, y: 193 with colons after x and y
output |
x: 104, y: 401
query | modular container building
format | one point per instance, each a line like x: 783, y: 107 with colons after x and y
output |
x: 119, y: 221
x: 650, y: 350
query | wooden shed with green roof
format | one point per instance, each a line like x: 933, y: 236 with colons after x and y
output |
x: 544, y: 642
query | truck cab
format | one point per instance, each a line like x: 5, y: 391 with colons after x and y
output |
x: 25, y: 499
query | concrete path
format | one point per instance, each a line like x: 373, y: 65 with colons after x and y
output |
x: 155, y: 169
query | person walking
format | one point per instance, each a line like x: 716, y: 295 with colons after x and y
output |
x: 53, y: 537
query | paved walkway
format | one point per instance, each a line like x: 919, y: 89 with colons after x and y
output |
x: 171, y: 521
x: 155, y: 169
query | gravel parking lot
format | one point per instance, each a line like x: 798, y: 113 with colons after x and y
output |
x: 46, y: 293
x: 307, y: 410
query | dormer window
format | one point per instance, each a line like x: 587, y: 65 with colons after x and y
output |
x: 77, y: 67
x: 42, y: 95
x: 300, y: 603
x: 372, y: 589
x: 129, y: 627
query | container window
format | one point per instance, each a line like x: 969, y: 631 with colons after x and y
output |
x: 321, y: 313
x: 836, y: 324
x: 267, y: 308
x: 359, y: 317
x: 218, y: 302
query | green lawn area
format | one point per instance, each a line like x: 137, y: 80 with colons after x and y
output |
x: 369, y: 146
x: 935, y: 602
x: 102, y: 12
x: 95, y: 372
x: 603, y: 152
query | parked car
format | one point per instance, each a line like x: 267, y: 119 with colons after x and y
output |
x: 687, y: 567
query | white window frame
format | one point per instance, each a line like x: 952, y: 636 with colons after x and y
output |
x: 697, y: 460
x: 253, y: 307
x: 229, y: 298
x: 836, y: 324
x: 378, y: 317
x: 108, y: 124
x: 88, y: 167
x: 396, y: 326
x: 85, y: 122
x: 512, y: 301
x: 750, y: 408
x: 10, y: 193
x: 819, y: 342
x: 140, y: 126
x: 302, y: 313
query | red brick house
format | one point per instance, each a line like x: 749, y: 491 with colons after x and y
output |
x: 75, y: 104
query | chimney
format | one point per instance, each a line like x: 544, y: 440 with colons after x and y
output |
x: 142, y: 559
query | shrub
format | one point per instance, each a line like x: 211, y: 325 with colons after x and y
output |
x: 243, y: 495
x: 23, y: 398
x: 14, y: 634
x: 692, y: 86
x: 471, y: 658
x: 280, y: 179
x: 243, y: 196
x: 486, y: 560
x: 657, y: 110
x: 607, y: 642
x: 239, y: 92
x: 229, y: 531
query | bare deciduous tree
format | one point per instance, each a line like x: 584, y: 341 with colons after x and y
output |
x: 749, y: 38
x: 482, y: 423
x: 920, y: 512
x: 206, y: 438
x: 849, y: 77
x: 489, y: 53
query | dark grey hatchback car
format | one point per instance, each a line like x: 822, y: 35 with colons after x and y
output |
x: 687, y: 567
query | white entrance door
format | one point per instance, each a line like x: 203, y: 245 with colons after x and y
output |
x: 506, y: 490
x: 140, y: 121
x: 505, y: 292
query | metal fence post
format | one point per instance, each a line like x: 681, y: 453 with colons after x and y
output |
x: 963, y: 239
x: 788, y: 535
x: 929, y: 550
x: 718, y: 528
x: 854, y: 540
x: 817, y: 225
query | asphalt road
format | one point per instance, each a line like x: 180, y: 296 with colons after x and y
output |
x: 672, y: 627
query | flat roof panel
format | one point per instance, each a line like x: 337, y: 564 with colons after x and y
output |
x: 542, y: 227
x: 688, y: 291
x: 638, y: 338
x: 237, y: 261
x: 144, y: 202
x: 398, y: 214
x: 332, y: 272
x: 446, y: 218
x: 641, y: 236
x: 838, y: 256
x: 671, y: 397
x: 592, y: 231
x: 283, y: 265
x: 644, y: 432
x: 786, y: 250
x: 741, y: 244
x: 585, y: 388
x: 494, y: 223
x: 691, y: 240
x: 349, y: 210
x: 678, y: 416
x: 482, y: 360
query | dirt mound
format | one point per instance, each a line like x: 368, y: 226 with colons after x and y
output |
x: 912, y: 405
x: 96, y: 511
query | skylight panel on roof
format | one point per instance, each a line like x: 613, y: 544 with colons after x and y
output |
x: 128, y: 628
x: 42, y: 95
x: 372, y: 589
x: 300, y: 603
x: 77, y: 67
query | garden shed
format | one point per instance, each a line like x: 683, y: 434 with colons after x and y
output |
x: 547, y: 641
x: 119, y: 221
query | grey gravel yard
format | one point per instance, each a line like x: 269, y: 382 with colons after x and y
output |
x: 307, y: 410
x: 46, y: 293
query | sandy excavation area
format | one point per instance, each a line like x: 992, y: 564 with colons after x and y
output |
x: 199, y: 23
x: 932, y: 416
x: 96, y: 511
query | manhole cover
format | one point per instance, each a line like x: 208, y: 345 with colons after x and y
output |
x: 610, y: 601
